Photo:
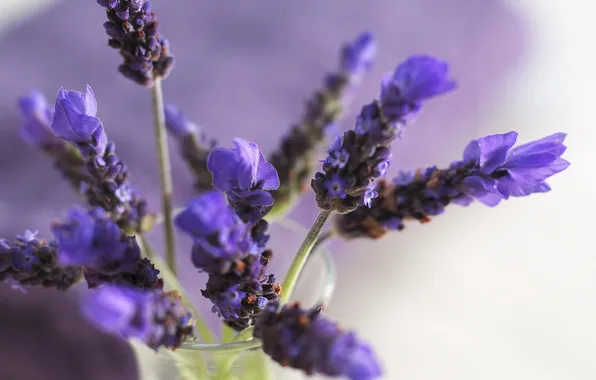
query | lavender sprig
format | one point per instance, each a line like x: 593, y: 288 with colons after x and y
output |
x: 132, y: 28
x: 361, y: 156
x: 491, y: 171
x: 295, y: 157
x: 107, y: 184
x: 231, y: 252
x: 305, y: 340
x: 89, y: 238
x: 154, y: 317
x: 247, y: 179
x: 193, y: 144
x: 29, y: 261
x: 36, y: 131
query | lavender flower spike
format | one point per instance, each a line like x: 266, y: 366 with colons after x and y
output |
x: 107, y: 179
x: 304, y: 340
x: 491, y: 170
x: 361, y: 156
x: 294, y: 160
x: 156, y: 318
x: 132, y: 29
x: 30, y: 261
x: 36, y: 131
x: 194, y: 145
x: 244, y: 175
x: 91, y: 239
x: 233, y: 255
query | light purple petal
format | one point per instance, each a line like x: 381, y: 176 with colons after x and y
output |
x: 493, y: 150
x: 222, y: 163
x: 508, y: 187
x: 205, y: 215
x: 528, y: 175
x: 266, y: 174
x: 472, y: 152
x: 482, y: 190
x: 552, y: 144
x: 247, y: 163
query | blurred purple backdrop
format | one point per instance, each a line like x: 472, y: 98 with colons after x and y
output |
x: 242, y: 69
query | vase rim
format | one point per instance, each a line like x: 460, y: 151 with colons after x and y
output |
x: 328, y: 288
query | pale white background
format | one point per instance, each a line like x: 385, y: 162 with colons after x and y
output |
x: 508, y: 293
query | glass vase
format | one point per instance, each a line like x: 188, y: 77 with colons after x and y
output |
x: 243, y: 360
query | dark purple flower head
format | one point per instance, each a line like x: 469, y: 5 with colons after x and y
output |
x: 417, y: 79
x: 233, y: 255
x: 241, y: 292
x: 357, y: 58
x: 132, y: 28
x: 305, y: 340
x: 91, y: 239
x: 491, y: 170
x: 37, y: 119
x: 29, y: 261
x: 359, y: 158
x: 246, y: 177
x: 154, y: 317
x: 75, y: 121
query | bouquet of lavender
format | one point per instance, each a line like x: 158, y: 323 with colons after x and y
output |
x: 239, y: 192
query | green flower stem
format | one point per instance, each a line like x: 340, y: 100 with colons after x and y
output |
x: 165, y: 172
x: 173, y: 283
x: 302, y: 255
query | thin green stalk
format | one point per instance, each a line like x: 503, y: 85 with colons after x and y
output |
x: 302, y: 255
x: 165, y: 172
x: 173, y: 283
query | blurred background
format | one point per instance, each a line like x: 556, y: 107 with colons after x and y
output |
x: 479, y: 293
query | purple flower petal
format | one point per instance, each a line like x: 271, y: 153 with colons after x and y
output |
x: 74, y: 116
x: 205, y: 215
x: 482, y: 190
x: 493, y: 150
x: 552, y: 144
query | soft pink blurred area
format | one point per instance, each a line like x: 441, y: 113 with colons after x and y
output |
x: 245, y: 69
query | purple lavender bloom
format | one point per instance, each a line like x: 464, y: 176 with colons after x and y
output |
x: 246, y: 177
x: 357, y: 58
x: 107, y: 179
x: 231, y: 252
x: 194, y: 145
x: 359, y: 158
x: 29, y: 261
x: 36, y: 131
x: 75, y: 121
x: 154, y: 317
x: 241, y: 292
x: 305, y: 340
x: 491, y: 170
x: 296, y: 156
x: 92, y: 240
x: 177, y: 122
x: 132, y: 29
x: 512, y: 172
x: 220, y: 237
x: 417, y: 79
x: 37, y: 118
